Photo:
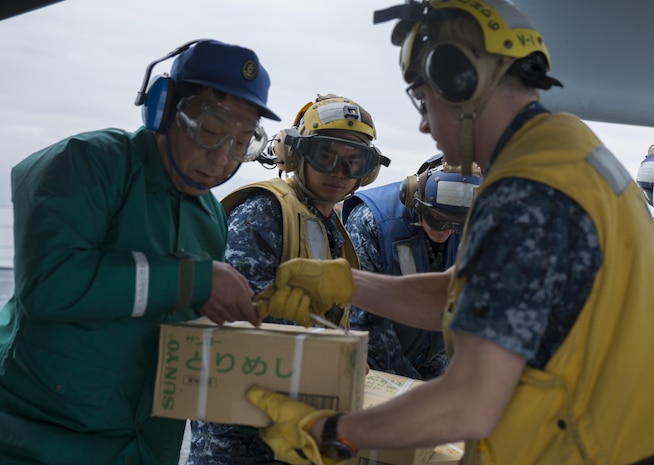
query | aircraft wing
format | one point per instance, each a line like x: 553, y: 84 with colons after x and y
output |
x: 9, y: 8
x: 602, y: 51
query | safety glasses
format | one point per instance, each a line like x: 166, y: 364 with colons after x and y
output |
x: 439, y: 220
x: 417, y: 100
x: 327, y: 154
x: 213, y: 125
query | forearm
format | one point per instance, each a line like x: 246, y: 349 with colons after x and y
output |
x: 416, y: 300
x: 425, y: 416
x: 466, y: 402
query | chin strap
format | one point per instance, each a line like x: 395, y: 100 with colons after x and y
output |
x: 466, y: 142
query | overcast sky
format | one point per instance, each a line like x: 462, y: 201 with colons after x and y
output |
x: 77, y: 65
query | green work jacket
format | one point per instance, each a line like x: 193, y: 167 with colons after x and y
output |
x: 106, y: 249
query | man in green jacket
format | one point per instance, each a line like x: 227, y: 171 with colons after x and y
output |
x: 115, y: 234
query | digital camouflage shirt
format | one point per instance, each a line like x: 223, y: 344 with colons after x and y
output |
x: 254, y: 248
x: 530, y: 261
x: 385, y: 352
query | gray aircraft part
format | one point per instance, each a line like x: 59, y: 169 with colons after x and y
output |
x: 601, y: 51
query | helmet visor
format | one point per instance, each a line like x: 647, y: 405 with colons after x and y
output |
x: 212, y: 125
x: 327, y: 154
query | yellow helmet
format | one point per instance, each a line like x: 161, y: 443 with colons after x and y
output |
x: 506, y: 30
x: 313, y: 124
x: 331, y: 112
x: 462, y: 49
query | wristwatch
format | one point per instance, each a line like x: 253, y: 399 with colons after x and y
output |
x: 333, y: 446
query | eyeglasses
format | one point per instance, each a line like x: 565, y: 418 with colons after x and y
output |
x: 437, y: 219
x: 418, y: 101
x: 327, y: 154
x: 212, y: 125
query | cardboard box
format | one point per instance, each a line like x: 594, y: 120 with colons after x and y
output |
x: 205, y: 369
x: 447, y: 454
x: 380, y: 387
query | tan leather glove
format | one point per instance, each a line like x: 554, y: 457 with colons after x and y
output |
x: 304, y: 286
x: 288, y: 434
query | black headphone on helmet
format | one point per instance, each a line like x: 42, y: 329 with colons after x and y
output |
x: 159, y: 98
x: 452, y: 71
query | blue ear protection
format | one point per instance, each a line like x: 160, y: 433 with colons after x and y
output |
x: 159, y: 97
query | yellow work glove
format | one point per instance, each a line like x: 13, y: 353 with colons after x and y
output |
x: 304, y: 286
x: 288, y: 434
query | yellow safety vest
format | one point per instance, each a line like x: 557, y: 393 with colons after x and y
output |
x: 593, y: 403
x: 304, y: 235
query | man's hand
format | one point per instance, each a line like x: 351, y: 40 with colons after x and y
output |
x: 304, y: 286
x: 288, y: 434
x: 230, y: 298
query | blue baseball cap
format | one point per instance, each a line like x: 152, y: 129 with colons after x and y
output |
x: 227, y: 68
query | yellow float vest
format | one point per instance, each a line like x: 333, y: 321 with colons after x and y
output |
x: 304, y: 235
x: 594, y: 401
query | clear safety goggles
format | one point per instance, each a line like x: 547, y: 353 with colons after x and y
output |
x: 438, y: 219
x: 212, y: 125
x: 327, y: 154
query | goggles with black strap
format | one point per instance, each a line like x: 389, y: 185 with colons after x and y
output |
x: 326, y: 154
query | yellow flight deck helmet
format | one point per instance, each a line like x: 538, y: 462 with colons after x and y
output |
x: 461, y: 49
x: 311, y: 134
x: 506, y: 30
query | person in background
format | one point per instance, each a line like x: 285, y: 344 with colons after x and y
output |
x: 326, y: 156
x: 547, y: 314
x: 645, y: 176
x: 117, y: 232
x: 409, y: 226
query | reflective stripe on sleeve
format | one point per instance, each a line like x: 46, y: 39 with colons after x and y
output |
x: 141, y: 284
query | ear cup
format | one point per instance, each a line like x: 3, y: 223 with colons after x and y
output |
x: 408, y: 189
x: 381, y: 161
x: 421, y: 183
x: 158, y: 100
x: 451, y: 72
x: 287, y: 159
x: 370, y: 177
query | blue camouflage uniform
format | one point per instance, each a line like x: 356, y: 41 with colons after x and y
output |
x: 517, y: 217
x: 254, y: 247
x: 379, y: 224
